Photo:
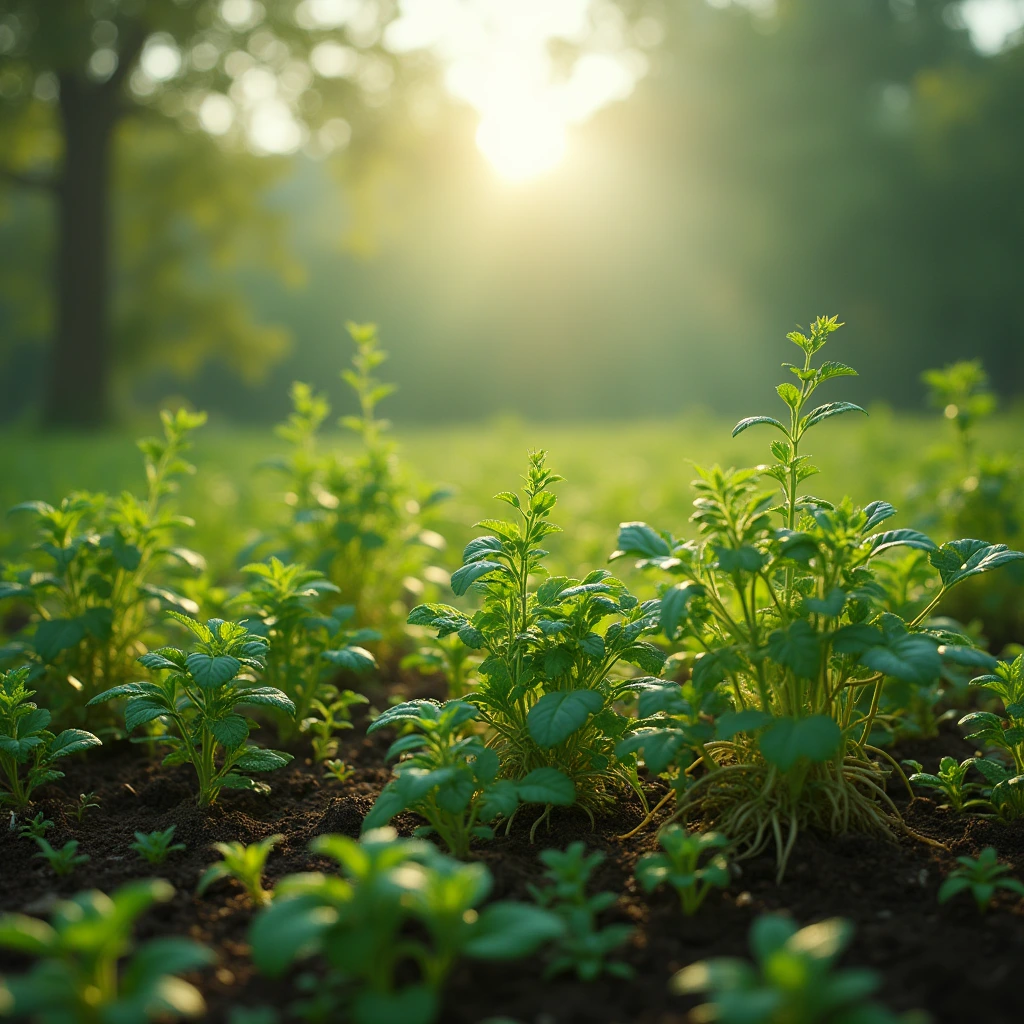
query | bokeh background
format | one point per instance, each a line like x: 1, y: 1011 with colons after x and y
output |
x: 559, y: 210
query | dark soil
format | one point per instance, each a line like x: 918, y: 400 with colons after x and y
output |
x: 948, y: 960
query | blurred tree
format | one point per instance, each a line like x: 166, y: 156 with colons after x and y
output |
x: 94, y: 92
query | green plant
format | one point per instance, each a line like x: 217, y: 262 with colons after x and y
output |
x: 28, y: 749
x: 330, y: 714
x: 86, y: 802
x: 583, y: 947
x: 154, y: 847
x: 338, y: 770
x: 62, y: 862
x: 982, y: 876
x: 243, y: 863
x: 449, y: 776
x: 200, y: 699
x: 780, y: 605
x: 548, y: 689
x: 107, y: 563
x: 951, y: 782
x: 793, y: 980
x: 356, y: 518
x: 680, y: 865
x: 358, y: 924
x: 87, y: 971
x: 306, y: 645
x: 36, y: 828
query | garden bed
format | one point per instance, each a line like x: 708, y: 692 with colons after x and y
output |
x: 947, y: 960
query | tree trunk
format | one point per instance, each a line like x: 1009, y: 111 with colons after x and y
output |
x: 78, y: 388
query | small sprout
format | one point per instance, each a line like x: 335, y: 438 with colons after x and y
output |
x: 338, y: 770
x: 155, y: 846
x: 680, y: 865
x: 583, y: 947
x: 794, y: 979
x: 63, y: 861
x: 36, y: 828
x: 243, y: 863
x: 86, y: 802
x: 982, y: 876
x: 950, y: 782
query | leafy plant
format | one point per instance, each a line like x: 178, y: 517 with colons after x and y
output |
x: 548, y: 689
x: 28, y: 750
x: 794, y: 979
x: 201, y: 699
x: 243, y: 863
x: 86, y: 969
x: 982, y: 877
x: 355, y: 518
x: 449, y: 776
x: 62, y: 862
x: 306, y: 645
x: 338, y: 770
x: 154, y: 847
x: 951, y: 782
x: 36, y: 828
x: 1003, y: 735
x: 681, y: 866
x: 86, y: 802
x: 450, y: 657
x: 583, y: 947
x: 780, y: 605
x: 107, y: 561
x: 357, y: 922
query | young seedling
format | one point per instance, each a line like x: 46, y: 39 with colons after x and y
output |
x: 36, y: 828
x: 951, y: 782
x: 63, y: 861
x: 201, y: 699
x: 981, y: 876
x: 243, y: 863
x: 780, y: 604
x: 28, y: 750
x: 360, y: 924
x: 331, y: 714
x: 448, y: 775
x: 338, y: 770
x: 793, y: 979
x: 154, y: 847
x: 583, y: 947
x: 86, y: 802
x: 86, y: 970
x: 680, y: 865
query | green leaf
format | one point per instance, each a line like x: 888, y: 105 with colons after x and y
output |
x: 355, y: 659
x: 547, y: 786
x: 507, y: 931
x: 415, y: 1004
x: 256, y: 759
x: 911, y: 657
x: 830, y: 369
x: 211, y: 671
x: 499, y: 800
x: 658, y: 746
x: 641, y: 539
x: 830, y: 606
x: 877, y: 512
x: 56, y: 635
x: 410, y: 711
x: 468, y: 574
x: 798, y: 647
x: 675, y: 603
x: 232, y: 730
x: 824, y: 412
x: 732, y: 722
x: 752, y: 421
x: 742, y: 559
x: 900, y: 539
x: 556, y: 716
x: 960, y: 559
x: 287, y: 929
x: 790, y: 395
x: 265, y: 696
x: 71, y: 741
x: 815, y: 738
x: 140, y: 710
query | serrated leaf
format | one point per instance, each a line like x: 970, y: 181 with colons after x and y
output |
x: 829, y: 409
x: 140, y: 710
x: 71, y: 741
x: 232, y: 730
x: 900, y: 539
x: 960, y: 559
x: 752, y: 421
x: 265, y: 696
x: 211, y: 671
x: 257, y: 759
x: 355, y: 659
x: 556, y: 716
x: 468, y: 574
x: 877, y: 512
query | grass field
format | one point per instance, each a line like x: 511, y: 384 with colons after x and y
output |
x: 614, y: 471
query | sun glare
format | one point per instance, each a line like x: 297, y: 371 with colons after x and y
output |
x: 498, y: 60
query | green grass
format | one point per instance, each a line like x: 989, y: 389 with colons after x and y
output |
x: 614, y: 471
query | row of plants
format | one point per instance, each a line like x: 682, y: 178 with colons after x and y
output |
x: 790, y: 642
